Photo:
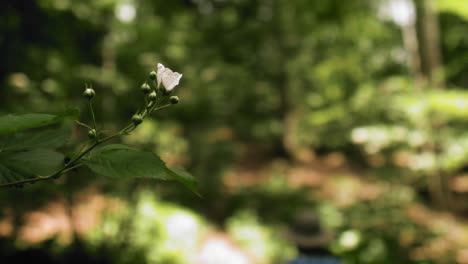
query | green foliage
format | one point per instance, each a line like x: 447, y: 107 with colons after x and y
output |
x: 24, y: 160
x: 261, y: 241
x: 29, y: 155
x: 268, y: 79
x: 16, y: 123
x: 51, y: 138
x: 26, y: 165
x: 184, y: 178
x: 120, y: 162
x: 453, y: 6
x: 150, y: 230
x: 42, y: 162
x: 423, y: 132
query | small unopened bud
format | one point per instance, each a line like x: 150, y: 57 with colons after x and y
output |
x: 92, y: 134
x: 145, y: 88
x: 137, y: 119
x: 89, y: 93
x: 174, y: 99
x: 153, y: 75
x: 152, y: 96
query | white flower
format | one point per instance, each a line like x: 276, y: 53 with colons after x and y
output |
x: 167, y: 77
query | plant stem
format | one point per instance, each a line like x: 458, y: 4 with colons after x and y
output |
x: 150, y: 108
x: 82, y: 124
x: 69, y: 166
x: 92, y: 114
x: 162, y: 107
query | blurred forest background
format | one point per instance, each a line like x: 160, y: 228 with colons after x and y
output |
x: 355, y: 110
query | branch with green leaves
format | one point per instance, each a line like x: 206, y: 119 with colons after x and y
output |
x: 28, y: 157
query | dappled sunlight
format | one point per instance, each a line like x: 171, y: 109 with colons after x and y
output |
x: 56, y: 220
x: 125, y: 12
x: 162, y: 137
x: 6, y: 225
x: 168, y: 232
x: 263, y: 243
x: 220, y: 249
x: 234, y: 131
x: 51, y: 222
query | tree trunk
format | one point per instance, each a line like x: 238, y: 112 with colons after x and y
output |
x: 429, y: 42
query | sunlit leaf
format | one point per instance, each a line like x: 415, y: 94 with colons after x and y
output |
x: 454, y: 6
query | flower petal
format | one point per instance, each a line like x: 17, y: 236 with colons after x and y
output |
x: 159, y: 74
x: 170, y: 80
x: 167, y: 77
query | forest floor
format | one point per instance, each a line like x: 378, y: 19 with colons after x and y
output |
x: 330, y: 178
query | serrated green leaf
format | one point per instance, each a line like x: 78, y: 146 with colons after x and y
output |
x: 41, y: 162
x: 50, y: 138
x: 120, y: 161
x: 184, y: 178
x: 13, y: 123
x: 23, y: 165
x: 10, y: 175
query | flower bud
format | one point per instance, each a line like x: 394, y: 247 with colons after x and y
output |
x: 152, y: 96
x: 153, y: 75
x: 145, y: 88
x: 89, y: 93
x: 92, y: 134
x: 174, y: 99
x: 137, y: 119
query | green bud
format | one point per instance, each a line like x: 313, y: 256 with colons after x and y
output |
x: 165, y: 92
x: 153, y: 75
x: 152, y: 96
x: 174, y: 99
x: 92, y: 134
x: 137, y: 119
x: 145, y: 88
x: 89, y: 93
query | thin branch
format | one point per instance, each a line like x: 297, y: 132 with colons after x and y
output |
x: 92, y: 114
x: 82, y: 124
